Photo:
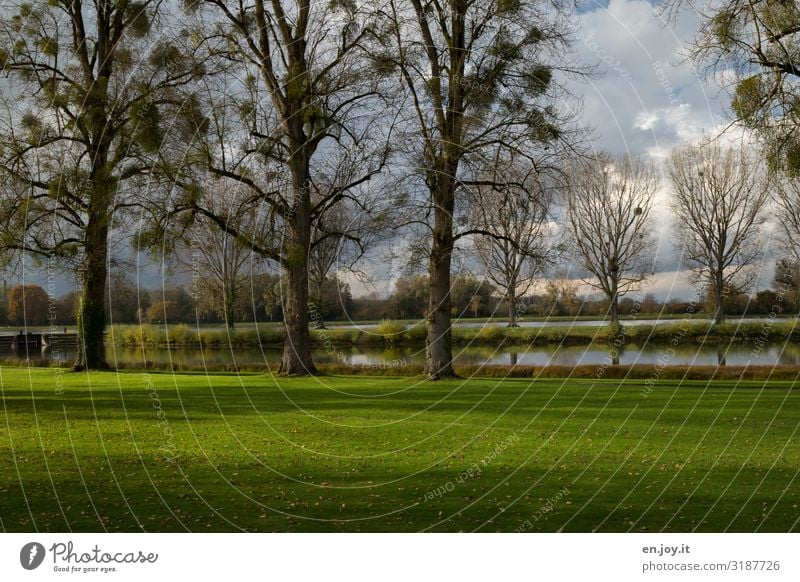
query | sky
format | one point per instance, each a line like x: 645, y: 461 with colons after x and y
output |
x: 649, y: 96
x: 644, y: 99
x: 648, y: 99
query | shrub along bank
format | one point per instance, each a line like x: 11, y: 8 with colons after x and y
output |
x: 390, y: 333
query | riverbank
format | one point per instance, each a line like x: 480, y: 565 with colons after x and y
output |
x: 400, y: 369
x: 392, y: 334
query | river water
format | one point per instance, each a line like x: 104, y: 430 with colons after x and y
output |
x: 740, y: 353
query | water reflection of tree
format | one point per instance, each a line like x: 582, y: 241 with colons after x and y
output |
x: 789, y: 355
x: 479, y: 356
x: 614, y: 353
x: 567, y: 357
x: 722, y: 356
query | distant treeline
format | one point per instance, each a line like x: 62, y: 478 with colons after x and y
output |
x: 261, y: 302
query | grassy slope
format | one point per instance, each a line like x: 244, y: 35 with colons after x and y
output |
x: 357, y: 454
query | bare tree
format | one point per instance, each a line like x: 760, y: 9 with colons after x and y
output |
x: 338, y: 240
x: 719, y: 198
x: 787, y: 281
x: 561, y: 294
x: 295, y: 110
x: 515, y: 208
x: 480, y: 78
x: 787, y: 199
x: 218, y: 262
x: 325, y: 252
x: 609, y: 201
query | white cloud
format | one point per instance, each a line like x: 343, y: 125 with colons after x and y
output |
x: 649, y: 96
x: 646, y: 121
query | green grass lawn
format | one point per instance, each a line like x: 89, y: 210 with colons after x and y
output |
x: 131, y: 451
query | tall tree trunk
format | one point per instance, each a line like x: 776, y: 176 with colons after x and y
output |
x: 719, y: 300
x: 512, y: 307
x: 438, y: 344
x: 297, y: 340
x: 617, y: 332
x: 320, y: 320
x: 229, y: 310
x: 91, y: 312
x: 614, y: 309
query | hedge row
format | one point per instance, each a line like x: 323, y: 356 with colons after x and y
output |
x: 390, y: 333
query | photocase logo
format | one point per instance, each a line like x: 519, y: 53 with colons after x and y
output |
x: 31, y: 555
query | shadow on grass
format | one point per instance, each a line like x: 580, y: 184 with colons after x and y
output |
x: 360, y: 455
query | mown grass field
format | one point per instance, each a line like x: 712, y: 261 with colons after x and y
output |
x: 134, y: 451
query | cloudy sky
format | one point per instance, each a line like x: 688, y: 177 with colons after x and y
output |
x: 648, y: 99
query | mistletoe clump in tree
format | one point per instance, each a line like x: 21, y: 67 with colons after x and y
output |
x: 87, y: 88
x: 480, y: 77
x: 756, y: 44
